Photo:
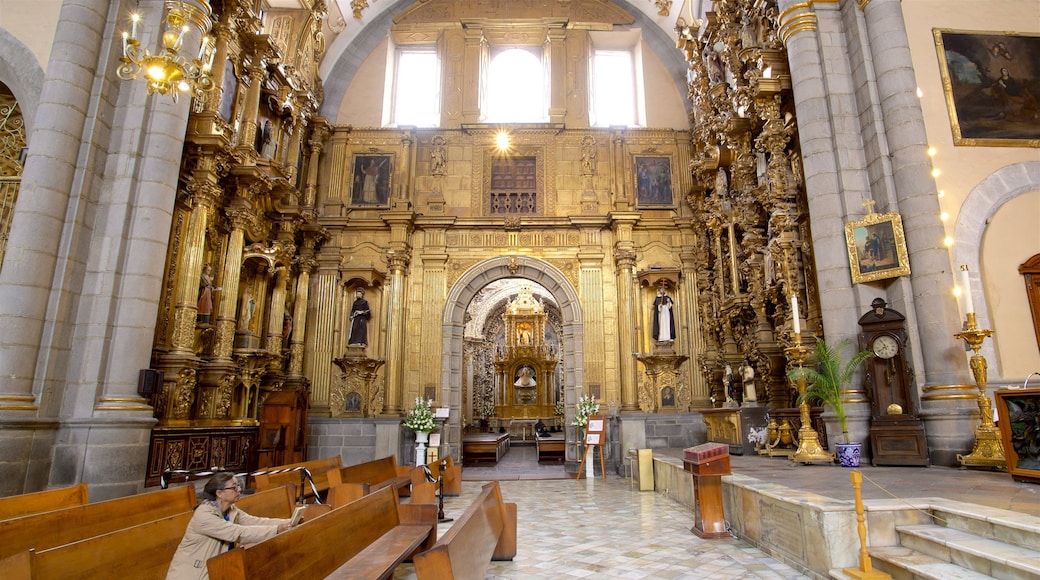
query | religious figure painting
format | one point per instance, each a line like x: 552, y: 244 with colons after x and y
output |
x: 653, y: 182
x: 877, y: 248
x: 371, y: 180
x: 992, y: 86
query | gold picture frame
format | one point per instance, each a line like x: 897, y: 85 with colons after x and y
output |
x: 991, y: 85
x: 877, y: 248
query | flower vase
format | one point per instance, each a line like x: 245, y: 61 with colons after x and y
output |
x: 848, y: 454
x: 421, y: 438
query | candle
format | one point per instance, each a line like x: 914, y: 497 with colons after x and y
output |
x: 969, y: 306
x: 134, y: 19
x: 794, y: 314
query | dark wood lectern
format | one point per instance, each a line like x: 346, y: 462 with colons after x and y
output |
x: 708, y: 463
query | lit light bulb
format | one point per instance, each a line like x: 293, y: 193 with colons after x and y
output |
x: 936, y: 172
x: 502, y: 140
x: 931, y: 151
x: 944, y: 216
x: 948, y: 241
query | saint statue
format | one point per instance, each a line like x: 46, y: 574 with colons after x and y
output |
x: 359, y: 315
x: 664, y: 324
x: 747, y: 374
x: 206, y: 290
x: 525, y: 378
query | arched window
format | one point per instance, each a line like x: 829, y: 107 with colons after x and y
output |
x: 515, y: 88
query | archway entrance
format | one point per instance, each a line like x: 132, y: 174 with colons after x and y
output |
x: 467, y: 352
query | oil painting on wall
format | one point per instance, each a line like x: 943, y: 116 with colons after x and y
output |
x: 653, y: 181
x: 877, y: 248
x: 371, y: 180
x: 992, y: 82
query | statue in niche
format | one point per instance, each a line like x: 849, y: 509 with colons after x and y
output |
x: 664, y: 324
x: 713, y: 64
x: 438, y: 157
x: 525, y: 377
x: 359, y: 315
x: 588, y: 155
x: 747, y: 374
x: 246, y: 310
x: 206, y: 290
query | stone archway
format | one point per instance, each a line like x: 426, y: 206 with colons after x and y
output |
x: 453, y: 328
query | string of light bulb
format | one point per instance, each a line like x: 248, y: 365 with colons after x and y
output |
x: 167, y: 72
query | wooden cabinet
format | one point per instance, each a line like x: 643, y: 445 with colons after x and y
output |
x: 283, y: 429
x: 1018, y: 416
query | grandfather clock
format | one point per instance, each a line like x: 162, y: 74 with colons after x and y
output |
x: 896, y: 432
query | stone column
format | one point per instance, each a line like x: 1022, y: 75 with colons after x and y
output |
x: 320, y: 334
x: 48, y: 184
x: 557, y: 74
x: 949, y: 405
x: 307, y: 264
x: 395, y: 324
x: 628, y: 335
x: 474, y: 59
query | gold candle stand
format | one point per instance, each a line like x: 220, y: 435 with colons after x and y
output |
x: 988, y: 451
x: 809, y: 448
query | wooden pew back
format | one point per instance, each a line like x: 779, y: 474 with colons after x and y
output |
x: 319, y: 469
x: 64, y: 526
x: 42, y: 501
x: 372, y: 472
x: 452, y: 475
x: 486, y: 531
x: 142, y: 552
x: 320, y: 546
x: 277, y: 502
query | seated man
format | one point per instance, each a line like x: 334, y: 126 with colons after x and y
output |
x: 541, y: 429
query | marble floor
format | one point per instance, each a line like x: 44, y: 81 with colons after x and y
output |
x: 587, y: 528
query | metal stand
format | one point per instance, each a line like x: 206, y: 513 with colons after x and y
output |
x: 809, y: 448
x: 988, y: 451
x: 440, y: 493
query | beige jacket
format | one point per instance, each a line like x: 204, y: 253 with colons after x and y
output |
x: 209, y: 534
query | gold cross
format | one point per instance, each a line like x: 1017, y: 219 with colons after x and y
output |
x: 869, y: 204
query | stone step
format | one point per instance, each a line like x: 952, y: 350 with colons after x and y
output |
x: 994, y: 523
x: 981, y: 554
x: 906, y: 564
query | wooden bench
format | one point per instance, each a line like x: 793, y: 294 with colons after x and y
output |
x: 486, y: 531
x: 366, y: 538
x: 426, y: 491
x: 376, y: 474
x: 551, y: 448
x: 42, y: 501
x: 142, y: 552
x: 484, y: 447
x: 64, y: 526
x: 319, y: 469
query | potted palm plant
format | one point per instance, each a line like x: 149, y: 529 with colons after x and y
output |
x: 827, y: 383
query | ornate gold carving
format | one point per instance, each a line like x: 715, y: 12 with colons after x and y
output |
x: 183, y: 395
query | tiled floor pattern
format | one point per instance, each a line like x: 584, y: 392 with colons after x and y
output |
x: 609, y: 529
x: 602, y: 529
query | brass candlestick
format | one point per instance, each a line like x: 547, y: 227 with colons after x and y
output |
x: 809, y: 448
x: 988, y: 451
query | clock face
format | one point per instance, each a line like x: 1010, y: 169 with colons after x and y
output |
x: 885, y: 347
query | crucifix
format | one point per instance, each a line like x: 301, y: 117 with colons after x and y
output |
x: 869, y: 204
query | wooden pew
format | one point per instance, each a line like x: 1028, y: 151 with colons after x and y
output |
x: 319, y: 469
x: 486, y: 531
x: 64, y: 526
x: 42, y: 501
x: 141, y: 552
x: 551, y: 448
x: 480, y: 447
x: 426, y: 491
x: 377, y: 474
x: 366, y: 538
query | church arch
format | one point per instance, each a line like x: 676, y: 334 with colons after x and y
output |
x: 453, y: 326
x: 981, y: 204
x: 20, y: 71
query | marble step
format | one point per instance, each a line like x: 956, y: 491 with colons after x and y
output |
x: 989, y: 522
x: 974, y: 552
x: 906, y: 564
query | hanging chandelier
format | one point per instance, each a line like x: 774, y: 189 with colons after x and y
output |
x: 167, y: 72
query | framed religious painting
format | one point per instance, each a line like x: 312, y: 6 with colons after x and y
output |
x: 992, y: 85
x: 877, y: 248
x: 371, y: 180
x: 653, y: 182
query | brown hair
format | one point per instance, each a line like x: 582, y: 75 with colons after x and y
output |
x: 216, y: 483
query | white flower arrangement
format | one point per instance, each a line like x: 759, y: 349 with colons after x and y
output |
x: 420, y: 418
x: 558, y: 409
x: 587, y: 406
